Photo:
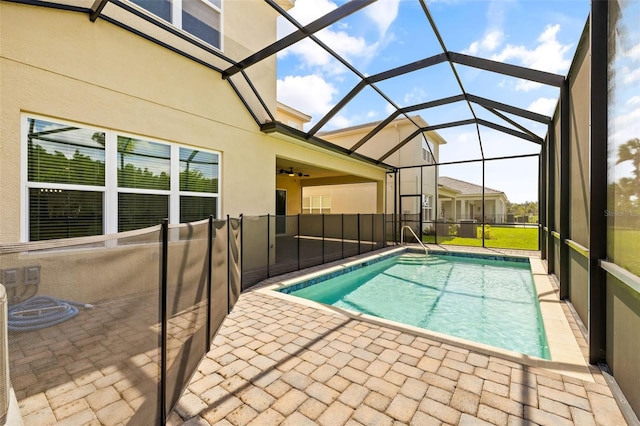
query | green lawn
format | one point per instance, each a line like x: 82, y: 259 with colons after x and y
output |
x: 501, y: 237
x: 626, y: 246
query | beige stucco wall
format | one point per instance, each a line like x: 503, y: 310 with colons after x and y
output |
x: 294, y: 193
x: 386, y: 139
x: 347, y: 199
x: 100, y: 75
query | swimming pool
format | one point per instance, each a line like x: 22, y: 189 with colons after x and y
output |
x: 491, y: 300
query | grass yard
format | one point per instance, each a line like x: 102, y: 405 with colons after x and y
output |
x: 501, y: 237
x: 626, y: 246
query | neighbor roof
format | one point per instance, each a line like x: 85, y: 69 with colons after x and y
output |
x: 465, y: 188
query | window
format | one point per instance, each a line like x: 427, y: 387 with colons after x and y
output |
x: 316, y: 204
x: 82, y: 181
x: 427, y: 149
x: 200, y: 18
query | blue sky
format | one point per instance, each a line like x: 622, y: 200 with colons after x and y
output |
x: 389, y: 33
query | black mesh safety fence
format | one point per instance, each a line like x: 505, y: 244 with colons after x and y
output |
x: 351, y: 230
x: 187, y: 282
x: 128, y: 315
x: 256, y: 253
x: 333, y: 237
x: 311, y: 240
x: 274, y: 245
x: 234, y: 263
x: 132, y: 314
x: 103, y: 328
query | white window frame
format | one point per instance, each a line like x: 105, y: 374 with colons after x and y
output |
x: 318, y: 205
x: 176, y: 15
x: 110, y: 190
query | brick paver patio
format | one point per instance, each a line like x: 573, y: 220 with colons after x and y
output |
x: 280, y: 360
x: 276, y: 361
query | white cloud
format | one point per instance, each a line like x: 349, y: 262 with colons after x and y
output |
x: 339, y: 122
x: 628, y: 120
x: 312, y: 55
x: 310, y: 94
x: 494, y: 34
x: 489, y: 43
x: 634, y: 52
x: 548, y: 55
x: 415, y: 96
x: 307, y: 11
x: 346, y: 45
x: 527, y: 86
x: 634, y: 100
x: 544, y: 106
x: 389, y: 109
x: 383, y: 13
x: 630, y: 76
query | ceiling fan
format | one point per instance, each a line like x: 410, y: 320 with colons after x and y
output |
x: 291, y: 172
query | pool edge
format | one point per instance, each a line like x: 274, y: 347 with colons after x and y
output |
x: 566, y: 356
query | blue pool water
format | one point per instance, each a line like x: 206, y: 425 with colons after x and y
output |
x: 487, y: 301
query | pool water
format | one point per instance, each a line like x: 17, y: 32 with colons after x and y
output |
x: 487, y: 301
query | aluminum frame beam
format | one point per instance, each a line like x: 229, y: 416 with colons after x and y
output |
x: 405, y: 110
x: 509, y: 109
x: 512, y: 132
x: 302, y: 33
x: 405, y: 69
x: 543, y: 77
x: 96, y: 9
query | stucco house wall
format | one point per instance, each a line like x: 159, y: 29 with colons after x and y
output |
x: 99, y: 75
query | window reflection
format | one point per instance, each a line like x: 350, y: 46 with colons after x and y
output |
x: 623, y: 212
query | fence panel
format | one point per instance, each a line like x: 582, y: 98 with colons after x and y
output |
x: 333, y: 241
x: 119, y: 336
x: 366, y: 233
x: 311, y: 240
x: 187, y: 297
x: 234, y: 259
x: 286, y: 245
x: 351, y: 235
x: 256, y: 236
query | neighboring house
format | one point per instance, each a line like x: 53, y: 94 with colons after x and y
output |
x: 459, y: 200
x: 418, y: 151
x: 291, y: 116
x: 116, y: 122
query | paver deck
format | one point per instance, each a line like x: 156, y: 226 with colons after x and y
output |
x: 281, y: 361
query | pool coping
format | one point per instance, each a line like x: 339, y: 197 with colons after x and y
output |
x: 566, y: 355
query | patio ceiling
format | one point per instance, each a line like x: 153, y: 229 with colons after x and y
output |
x: 484, y: 115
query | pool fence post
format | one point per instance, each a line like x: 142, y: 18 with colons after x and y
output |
x: 163, y: 320
x: 358, y: 233
x: 228, y: 265
x: 322, y: 217
x: 209, y: 276
x: 241, y: 251
x: 483, y: 201
x: 373, y: 230
x: 342, y: 235
x: 298, y: 242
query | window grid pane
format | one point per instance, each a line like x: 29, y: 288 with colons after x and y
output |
x: 59, y: 153
x: 197, y: 208
x: 198, y: 171
x: 57, y: 213
x: 143, y: 164
x: 136, y: 211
